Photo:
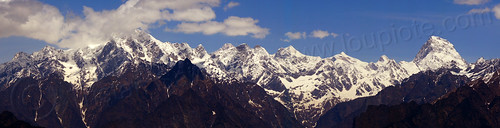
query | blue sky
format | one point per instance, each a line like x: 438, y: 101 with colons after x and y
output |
x: 392, y: 22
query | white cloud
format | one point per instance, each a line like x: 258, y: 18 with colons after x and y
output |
x: 470, y: 2
x: 480, y: 10
x: 231, y: 5
x: 322, y: 34
x: 294, y: 36
x: 98, y: 27
x: 334, y: 35
x: 232, y: 26
x: 193, y: 14
x: 302, y: 35
x: 33, y: 19
x: 496, y: 10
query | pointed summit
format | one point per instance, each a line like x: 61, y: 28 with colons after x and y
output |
x: 48, y: 48
x: 227, y: 46
x: 341, y: 54
x: 21, y: 56
x: 289, y: 48
x: 288, y: 51
x: 433, y: 45
x: 243, y: 46
x: 261, y: 50
x: 383, y: 58
x: 200, y: 48
x: 437, y: 53
x: 200, y: 51
x: 344, y: 57
x: 480, y: 60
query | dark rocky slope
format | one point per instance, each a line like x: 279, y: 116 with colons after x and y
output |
x: 182, y: 97
x: 420, y: 88
x: 8, y: 120
x: 48, y: 102
x: 477, y: 105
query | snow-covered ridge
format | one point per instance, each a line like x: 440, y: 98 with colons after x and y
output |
x: 306, y: 85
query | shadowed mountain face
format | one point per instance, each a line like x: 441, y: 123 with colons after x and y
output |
x: 48, y: 102
x: 420, y: 88
x: 477, y: 105
x: 8, y: 120
x: 183, y: 97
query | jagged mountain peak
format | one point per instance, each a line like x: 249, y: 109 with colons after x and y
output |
x: 435, y: 44
x: 229, y: 50
x: 384, y: 58
x: 181, y: 45
x: 21, y: 55
x: 289, y: 49
x: 287, y: 52
x: 343, y: 54
x: 227, y: 46
x: 200, y: 46
x: 47, y: 52
x: 137, y: 35
x: 344, y: 57
x: 480, y: 60
x: 257, y: 46
x: 260, y: 50
x: 243, y: 47
x: 439, y: 40
x: 48, y: 48
x: 436, y: 53
x: 201, y: 49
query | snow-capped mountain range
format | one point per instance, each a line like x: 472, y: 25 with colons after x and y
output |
x: 307, y: 85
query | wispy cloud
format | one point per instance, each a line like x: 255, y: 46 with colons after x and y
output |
x: 231, y: 5
x: 495, y: 10
x: 470, y: 2
x: 479, y: 10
